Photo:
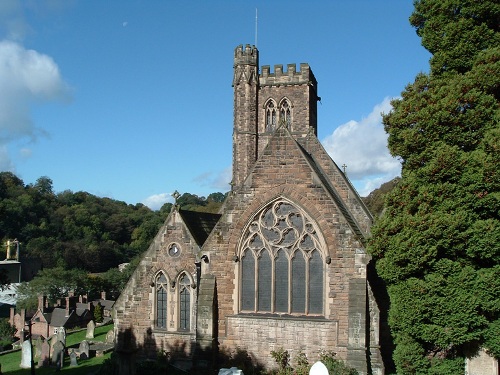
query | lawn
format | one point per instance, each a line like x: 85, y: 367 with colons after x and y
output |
x: 10, y: 362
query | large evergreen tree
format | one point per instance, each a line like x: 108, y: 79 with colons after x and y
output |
x: 438, y: 244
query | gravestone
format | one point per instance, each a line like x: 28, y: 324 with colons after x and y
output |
x: 72, y: 358
x: 38, y: 348
x: 57, y: 358
x: 84, y: 349
x: 61, y: 335
x: 318, y: 369
x: 90, y: 330
x: 481, y: 364
x: 230, y: 371
x: 110, y: 337
x: 26, y: 354
x: 44, y: 355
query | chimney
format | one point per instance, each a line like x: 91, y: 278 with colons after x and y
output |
x: 42, y: 303
x: 103, y: 295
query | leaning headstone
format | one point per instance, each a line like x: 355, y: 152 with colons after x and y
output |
x: 318, y: 369
x: 44, y: 355
x: 57, y: 358
x: 110, y: 337
x: 90, y: 330
x: 26, y: 355
x: 84, y: 349
x: 72, y: 358
x: 61, y: 335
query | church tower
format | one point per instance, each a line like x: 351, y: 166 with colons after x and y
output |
x: 265, y: 101
x: 245, y: 83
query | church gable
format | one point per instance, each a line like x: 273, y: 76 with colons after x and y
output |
x: 283, y: 265
x: 160, y: 297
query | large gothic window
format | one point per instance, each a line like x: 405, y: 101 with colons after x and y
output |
x: 282, y: 263
x: 271, y: 112
x: 161, y: 287
x: 184, y: 303
x: 285, y: 113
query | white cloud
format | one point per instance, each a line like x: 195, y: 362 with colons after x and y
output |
x: 219, y: 181
x: 362, y: 147
x: 157, y: 200
x: 26, y: 76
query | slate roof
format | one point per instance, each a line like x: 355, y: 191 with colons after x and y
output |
x: 200, y: 224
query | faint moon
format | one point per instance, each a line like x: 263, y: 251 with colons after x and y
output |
x: 125, y: 24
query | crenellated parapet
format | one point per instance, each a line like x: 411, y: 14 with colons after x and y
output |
x: 289, y: 76
x: 248, y: 55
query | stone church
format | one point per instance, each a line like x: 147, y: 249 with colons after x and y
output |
x: 283, y: 265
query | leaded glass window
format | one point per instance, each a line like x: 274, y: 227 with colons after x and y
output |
x: 161, y: 286
x: 184, y: 303
x: 282, y: 268
x: 270, y: 116
x: 285, y: 113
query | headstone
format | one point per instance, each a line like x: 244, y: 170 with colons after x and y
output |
x: 72, y: 358
x: 44, y: 355
x: 230, y: 371
x: 84, y: 349
x: 318, y: 369
x: 57, y: 358
x: 481, y: 364
x: 38, y: 348
x: 90, y: 330
x: 61, y: 335
x: 110, y: 337
x: 26, y: 355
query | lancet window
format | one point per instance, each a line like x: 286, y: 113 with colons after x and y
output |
x: 285, y: 113
x: 184, y: 303
x: 282, y: 267
x: 271, y: 115
x: 161, y: 288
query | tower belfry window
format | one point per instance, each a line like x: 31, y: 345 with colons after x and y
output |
x: 270, y: 116
x: 285, y: 113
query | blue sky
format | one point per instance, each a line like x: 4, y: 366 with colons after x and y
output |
x: 132, y: 99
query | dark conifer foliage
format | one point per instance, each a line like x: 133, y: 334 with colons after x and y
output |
x: 437, y: 246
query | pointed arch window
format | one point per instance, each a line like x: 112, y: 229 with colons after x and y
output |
x: 271, y: 115
x: 184, y: 303
x: 282, y: 267
x: 161, y: 288
x: 286, y: 113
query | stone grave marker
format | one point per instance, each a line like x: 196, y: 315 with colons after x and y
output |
x: 84, y: 349
x: 57, y: 358
x: 26, y: 354
x: 44, y: 355
x: 481, y: 364
x: 318, y: 369
x: 38, y: 348
x: 72, y: 358
x: 110, y: 337
x: 61, y: 335
x: 90, y: 330
x: 230, y: 371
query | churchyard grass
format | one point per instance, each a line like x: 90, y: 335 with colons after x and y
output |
x: 10, y: 361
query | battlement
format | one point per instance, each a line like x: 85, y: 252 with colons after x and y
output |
x: 288, y: 76
x: 246, y: 55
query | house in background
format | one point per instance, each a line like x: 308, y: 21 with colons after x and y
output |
x: 72, y: 312
x: 283, y: 265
